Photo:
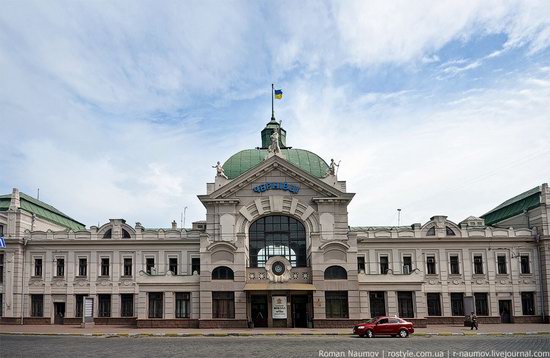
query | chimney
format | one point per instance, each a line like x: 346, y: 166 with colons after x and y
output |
x: 174, y: 225
x: 15, y: 202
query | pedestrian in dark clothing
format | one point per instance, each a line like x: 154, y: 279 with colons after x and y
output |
x: 473, y: 321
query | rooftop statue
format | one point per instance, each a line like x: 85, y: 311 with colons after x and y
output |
x: 274, y: 146
x: 332, y: 168
x: 219, y: 170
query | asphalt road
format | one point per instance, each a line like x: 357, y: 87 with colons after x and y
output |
x: 281, y: 346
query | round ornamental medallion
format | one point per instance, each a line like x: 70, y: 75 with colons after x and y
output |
x: 278, y: 268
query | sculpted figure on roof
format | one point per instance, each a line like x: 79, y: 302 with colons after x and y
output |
x: 219, y: 170
x: 332, y: 168
x: 274, y: 146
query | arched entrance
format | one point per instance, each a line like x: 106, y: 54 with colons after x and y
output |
x: 280, y: 291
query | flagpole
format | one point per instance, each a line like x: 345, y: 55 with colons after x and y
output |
x: 272, y: 104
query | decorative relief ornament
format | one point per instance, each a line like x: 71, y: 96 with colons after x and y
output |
x: 295, y: 275
x: 278, y: 269
x: 251, y: 276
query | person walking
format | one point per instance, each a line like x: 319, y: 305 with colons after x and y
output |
x: 473, y: 321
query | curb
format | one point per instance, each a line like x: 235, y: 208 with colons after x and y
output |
x: 268, y: 334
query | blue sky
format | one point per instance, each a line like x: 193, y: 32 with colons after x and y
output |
x: 119, y: 109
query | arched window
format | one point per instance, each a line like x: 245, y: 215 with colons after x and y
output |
x: 450, y: 231
x: 222, y: 273
x: 277, y: 235
x: 108, y: 234
x: 125, y: 234
x: 431, y: 231
x: 336, y: 273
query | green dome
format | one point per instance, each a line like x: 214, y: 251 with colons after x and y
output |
x: 247, y: 159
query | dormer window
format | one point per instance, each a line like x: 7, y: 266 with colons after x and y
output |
x: 449, y: 231
x: 108, y: 234
x: 126, y: 234
x: 431, y: 231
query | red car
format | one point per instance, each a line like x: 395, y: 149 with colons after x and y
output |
x: 389, y: 326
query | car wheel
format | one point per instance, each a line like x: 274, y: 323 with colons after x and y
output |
x: 403, y: 333
x: 370, y: 333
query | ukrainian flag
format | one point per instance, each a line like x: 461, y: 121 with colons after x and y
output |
x: 279, y: 94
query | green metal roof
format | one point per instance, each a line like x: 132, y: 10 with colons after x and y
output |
x: 43, y: 210
x: 514, y: 206
x: 247, y: 159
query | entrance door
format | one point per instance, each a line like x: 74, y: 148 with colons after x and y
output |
x: 299, y: 311
x: 258, y: 310
x: 59, y: 312
x: 505, y: 309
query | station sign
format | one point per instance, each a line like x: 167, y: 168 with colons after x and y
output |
x: 278, y: 307
x: 294, y: 189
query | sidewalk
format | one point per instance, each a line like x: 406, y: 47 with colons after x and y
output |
x: 125, y: 331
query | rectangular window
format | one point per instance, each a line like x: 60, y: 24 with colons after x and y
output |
x: 430, y: 265
x: 482, y: 304
x: 104, y: 305
x: 525, y: 267
x: 361, y: 263
x: 405, y: 304
x: 223, y: 305
x: 127, y: 266
x: 478, y: 265
x: 38, y: 267
x: 173, y: 265
x: 60, y: 267
x: 528, y: 303
x: 182, y: 304
x: 455, y: 265
x: 37, y: 305
x: 82, y: 267
x: 79, y: 307
x: 195, y: 265
x: 149, y: 265
x: 377, y: 303
x: 501, y: 265
x: 1, y: 305
x: 127, y: 305
x: 434, y: 304
x: 407, y: 265
x: 384, y: 265
x: 155, y: 304
x: 104, y: 266
x: 457, y: 304
x: 336, y: 304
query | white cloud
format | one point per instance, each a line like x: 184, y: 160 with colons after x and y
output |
x: 119, y: 109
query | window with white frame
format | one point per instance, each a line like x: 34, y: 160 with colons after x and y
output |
x: 502, y: 265
x: 454, y: 264
x: 478, y: 264
x: 431, y: 268
x: 82, y: 266
x: 105, y: 265
x: 38, y: 266
x: 384, y: 264
x: 525, y: 264
x: 59, y: 266
x: 407, y: 264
